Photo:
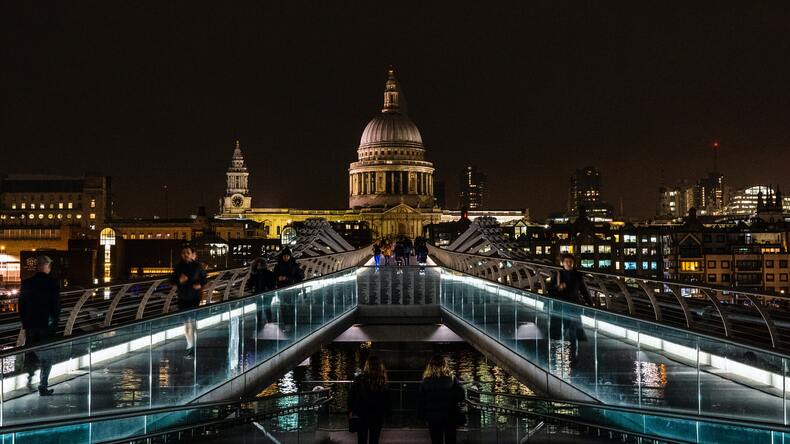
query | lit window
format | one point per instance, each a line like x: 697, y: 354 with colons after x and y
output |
x: 22, y: 205
x: 538, y: 250
x: 587, y: 249
x: 68, y: 216
x: 32, y: 206
x: 629, y: 251
x: 13, y: 206
x: 605, y: 249
x: 93, y: 203
x: 79, y: 216
x: 629, y: 265
x: 60, y: 205
x: 690, y: 266
x: 50, y: 216
x: 566, y: 249
x: 629, y: 238
x: 93, y: 215
x: 587, y: 263
x: 604, y: 263
x: 40, y: 216
x: 70, y: 205
x: 653, y: 265
x: 60, y: 216
x: 645, y: 265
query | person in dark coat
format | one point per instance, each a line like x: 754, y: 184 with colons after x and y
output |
x: 189, y: 276
x: 570, y: 283
x: 440, y: 396
x: 287, y: 271
x: 377, y: 255
x: 39, y: 310
x: 399, y: 252
x: 369, y: 401
x: 408, y: 249
x: 261, y: 278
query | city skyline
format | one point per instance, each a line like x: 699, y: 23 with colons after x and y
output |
x: 557, y: 96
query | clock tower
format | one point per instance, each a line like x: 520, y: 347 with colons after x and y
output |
x: 237, y: 193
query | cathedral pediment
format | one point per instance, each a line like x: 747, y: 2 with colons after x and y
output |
x: 402, y: 209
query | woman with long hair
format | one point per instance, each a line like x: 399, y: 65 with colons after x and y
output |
x: 369, y: 401
x: 440, y: 396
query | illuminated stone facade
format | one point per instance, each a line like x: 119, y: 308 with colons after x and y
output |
x: 390, y: 184
x: 391, y: 168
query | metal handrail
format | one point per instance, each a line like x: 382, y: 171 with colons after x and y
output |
x: 745, y: 345
x: 569, y: 420
x: 332, y: 264
x: 751, y: 324
x: 470, y: 388
x: 130, y: 413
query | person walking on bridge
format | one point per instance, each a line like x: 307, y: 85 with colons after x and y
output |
x: 39, y: 311
x: 439, y: 403
x: 377, y: 255
x: 369, y: 402
x: 287, y: 271
x: 189, y: 276
x: 570, y: 283
x: 386, y: 250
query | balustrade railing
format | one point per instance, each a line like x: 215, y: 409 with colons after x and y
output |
x: 750, y: 317
x: 105, y: 306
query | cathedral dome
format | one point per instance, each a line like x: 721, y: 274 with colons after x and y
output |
x: 390, y: 128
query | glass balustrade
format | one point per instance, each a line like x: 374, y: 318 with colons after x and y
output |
x: 644, y: 423
x: 295, y: 411
x: 623, y: 361
x: 146, y: 364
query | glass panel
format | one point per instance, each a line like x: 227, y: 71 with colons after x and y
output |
x: 737, y: 382
x: 624, y: 361
x: 120, y: 367
x: 171, y: 360
x: 172, y: 371
x: 64, y: 368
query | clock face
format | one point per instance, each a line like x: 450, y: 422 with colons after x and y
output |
x: 237, y: 201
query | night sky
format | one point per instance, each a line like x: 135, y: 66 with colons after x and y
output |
x: 154, y: 93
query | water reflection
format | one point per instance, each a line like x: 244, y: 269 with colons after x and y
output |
x: 128, y: 389
x: 338, y: 362
x: 652, y: 377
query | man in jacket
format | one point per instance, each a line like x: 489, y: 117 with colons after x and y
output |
x: 570, y: 283
x: 39, y: 310
x: 189, y: 276
x: 287, y: 271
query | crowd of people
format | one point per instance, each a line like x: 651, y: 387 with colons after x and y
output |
x: 441, y: 397
x: 399, y: 251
